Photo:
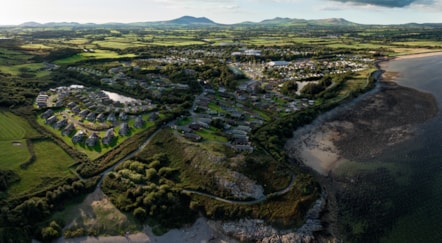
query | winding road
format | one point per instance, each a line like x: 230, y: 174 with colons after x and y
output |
x: 256, y: 201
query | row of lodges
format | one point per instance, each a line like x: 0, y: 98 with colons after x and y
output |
x: 111, y: 117
x: 80, y: 135
x: 93, y: 139
x: 51, y: 118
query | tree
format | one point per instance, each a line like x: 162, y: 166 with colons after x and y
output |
x: 289, y: 87
x: 312, y: 89
x: 140, y: 213
x: 51, y: 232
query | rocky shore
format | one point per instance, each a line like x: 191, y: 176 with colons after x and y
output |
x: 253, y: 230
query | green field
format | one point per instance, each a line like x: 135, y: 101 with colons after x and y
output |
x: 118, y: 44
x: 36, y: 47
x: 15, y: 69
x: 52, y: 162
x: 98, y: 54
x: 13, y: 153
x: 212, y: 135
x: 14, y: 127
x: 12, y: 57
x: 13, y: 149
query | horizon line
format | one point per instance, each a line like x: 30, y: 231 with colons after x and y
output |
x: 159, y: 21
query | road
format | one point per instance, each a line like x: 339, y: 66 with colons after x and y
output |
x: 256, y: 201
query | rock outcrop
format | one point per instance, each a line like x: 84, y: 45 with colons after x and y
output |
x: 257, y: 231
x: 240, y: 186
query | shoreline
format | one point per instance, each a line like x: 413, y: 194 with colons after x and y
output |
x: 359, y: 131
x: 415, y: 55
x: 319, y: 145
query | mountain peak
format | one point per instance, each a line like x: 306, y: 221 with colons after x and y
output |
x: 30, y: 24
x: 336, y: 21
x: 191, y: 20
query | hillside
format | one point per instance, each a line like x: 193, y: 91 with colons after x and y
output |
x: 190, y: 21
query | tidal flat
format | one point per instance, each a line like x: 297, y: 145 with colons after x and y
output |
x: 379, y: 159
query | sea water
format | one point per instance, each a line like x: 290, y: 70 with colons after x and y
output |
x: 421, y: 201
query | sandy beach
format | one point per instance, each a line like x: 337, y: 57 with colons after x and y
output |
x: 418, y: 55
x: 318, y: 151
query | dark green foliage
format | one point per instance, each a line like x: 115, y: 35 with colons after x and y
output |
x: 51, y: 232
x: 138, y: 187
x: 11, y: 234
x: 22, y: 215
x: 60, y: 54
x: 18, y: 91
x: 289, y: 88
x: 7, y: 177
x: 312, y: 89
x: 140, y: 214
x: 273, y: 135
x: 31, y: 160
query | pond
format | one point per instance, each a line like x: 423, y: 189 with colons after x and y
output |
x: 121, y: 98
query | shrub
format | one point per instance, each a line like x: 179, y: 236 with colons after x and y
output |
x: 140, y: 214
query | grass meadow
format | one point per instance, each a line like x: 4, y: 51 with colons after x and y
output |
x: 98, y: 54
x: 51, y: 161
x: 14, y: 127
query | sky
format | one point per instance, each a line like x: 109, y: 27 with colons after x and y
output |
x: 14, y: 12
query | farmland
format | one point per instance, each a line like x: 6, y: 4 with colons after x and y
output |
x: 98, y: 54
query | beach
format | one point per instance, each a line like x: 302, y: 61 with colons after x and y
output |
x: 419, y: 55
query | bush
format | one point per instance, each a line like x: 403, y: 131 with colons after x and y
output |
x: 140, y: 214
x: 49, y: 233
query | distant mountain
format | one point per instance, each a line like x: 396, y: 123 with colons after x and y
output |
x: 30, y: 24
x: 53, y: 24
x: 276, y: 21
x: 61, y: 24
x: 333, y: 21
x: 292, y: 22
x: 189, y: 20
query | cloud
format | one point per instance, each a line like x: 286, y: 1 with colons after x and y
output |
x: 388, y: 3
